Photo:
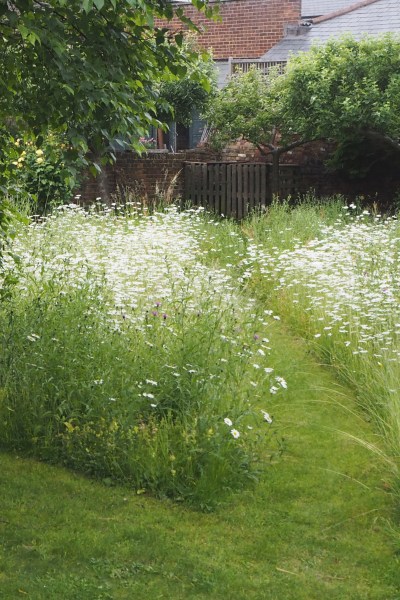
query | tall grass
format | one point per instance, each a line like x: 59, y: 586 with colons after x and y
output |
x: 331, y: 271
x: 124, y: 356
x: 131, y: 348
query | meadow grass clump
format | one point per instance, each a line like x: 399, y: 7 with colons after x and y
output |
x: 286, y: 223
x: 336, y: 282
x: 126, y: 357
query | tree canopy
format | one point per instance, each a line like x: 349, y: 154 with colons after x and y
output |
x: 89, y: 68
x: 183, y: 96
x: 347, y: 91
x: 248, y: 107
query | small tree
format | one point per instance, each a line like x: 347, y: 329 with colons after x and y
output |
x: 345, y: 90
x: 88, y: 69
x: 179, y: 98
x: 249, y: 107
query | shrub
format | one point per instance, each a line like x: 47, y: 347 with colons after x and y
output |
x: 40, y: 172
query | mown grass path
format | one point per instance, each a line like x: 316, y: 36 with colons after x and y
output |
x: 314, y: 528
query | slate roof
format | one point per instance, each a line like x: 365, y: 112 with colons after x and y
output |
x: 316, y: 8
x: 367, y: 17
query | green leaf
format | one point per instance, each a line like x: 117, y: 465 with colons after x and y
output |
x: 87, y: 5
x: 24, y: 31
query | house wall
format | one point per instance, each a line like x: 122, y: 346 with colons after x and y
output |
x: 248, y: 27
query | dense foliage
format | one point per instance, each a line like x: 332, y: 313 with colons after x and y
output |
x: 343, y: 90
x: 88, y: 69
x: 192, y: 92
x: 249, y: 108
x: 38, y: 177
x: 243, y: 108
x: 346, y: 90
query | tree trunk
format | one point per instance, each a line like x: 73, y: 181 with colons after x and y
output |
x: 102, y: 182
x: 103, y: 186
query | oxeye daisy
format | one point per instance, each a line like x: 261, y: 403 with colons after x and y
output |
x: 267, y: 416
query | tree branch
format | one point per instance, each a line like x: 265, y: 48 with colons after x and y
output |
x: 261, y: 148
x: 382, y: 137
x: 295, y: 145
x: 62, y: 18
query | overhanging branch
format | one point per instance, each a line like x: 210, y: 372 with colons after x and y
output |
x: 382, y: 137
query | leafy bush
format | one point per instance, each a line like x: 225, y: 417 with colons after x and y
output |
x: 39, y: 172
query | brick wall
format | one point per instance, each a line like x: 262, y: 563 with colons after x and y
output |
x: 93, y: 188
x: 142, y: 176
x: 248, y: 28
x: 145, y: 177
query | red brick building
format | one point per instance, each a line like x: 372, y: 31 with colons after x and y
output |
x: 247, y: 29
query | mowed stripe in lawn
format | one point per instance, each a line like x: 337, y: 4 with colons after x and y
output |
x: 315, y: 527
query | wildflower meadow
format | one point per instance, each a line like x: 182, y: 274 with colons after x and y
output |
x: 126, y: 356
x: 335, y: 279
x: 135, y: 346
x: 201, y: 380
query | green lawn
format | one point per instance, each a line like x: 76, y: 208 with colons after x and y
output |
x: 315, y: 527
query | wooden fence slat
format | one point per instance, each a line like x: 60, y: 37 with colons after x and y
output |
x: 217, y: 190
x: 245, y: 190
x: 252, y: 187
x: 234, y: 208
x: 229, y: 191
x: 188, y: 182
x: 202, y: 195
x: 235, y: 189
x: 195, y: 187
x: 239, y: 211
x: 257, y: 189
x: 263, y: 185
x: 210, y: 202
x: 224, y: 174
x: 268, y: 175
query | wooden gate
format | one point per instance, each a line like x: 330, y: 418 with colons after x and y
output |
x: 229, y: 189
